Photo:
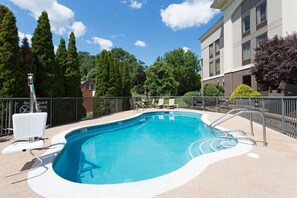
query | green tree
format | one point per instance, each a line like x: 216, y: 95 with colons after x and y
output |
x: 27, y: 65
x: 61, y: 62
x: 43, y: 49
x: 9, y: 55
x: 160, y: 80
x: 72, y: 74
x: 185, y: 67
x: 136, y: 68
x: 115, y: 79
x: 213, y: 90
x: 126, y: 81
x: 87, y: 64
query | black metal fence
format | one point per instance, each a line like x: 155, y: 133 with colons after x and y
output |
x: 280, y: 112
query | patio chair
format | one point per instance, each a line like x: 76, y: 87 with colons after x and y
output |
x: 28, y: 129
x: 160, y: 103
x: 171, y: 104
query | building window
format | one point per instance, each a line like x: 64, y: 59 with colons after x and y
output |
x: 217, y: 67
x: 211, y: 69
x: 246, y: 25
x: 217, y: 47
x: 247, y: 80
x: 89, y: 86
x: 211, y: 51
x: 261, y: 38
x: 261, y: 15
x: 246, y: 53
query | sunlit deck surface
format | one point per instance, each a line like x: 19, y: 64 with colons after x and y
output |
x: 273, y: 174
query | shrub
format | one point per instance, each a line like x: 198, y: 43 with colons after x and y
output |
x: 188, y: 98
x: 213, y: 90
x: 244, y: 90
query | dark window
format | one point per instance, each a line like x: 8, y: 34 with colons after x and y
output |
x: 211, y: 51
x: 211, y: 69
x: 261, y: 38
x: 217, y: 66
x: 89, y: 86
x: 246, y: 53
x: 247, y: 80
x: 246, y: 25
x: 261, y: 16
x: 217, y: 47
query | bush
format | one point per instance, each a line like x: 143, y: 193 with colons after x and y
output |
x: 188, y: 98
x: 213, y: 90
x: 244, y: 90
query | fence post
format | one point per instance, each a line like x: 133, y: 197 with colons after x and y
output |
x: 76, y: 109
x: 51, y: 111
x: 9, y: 113
x: 283, y: 115
x: 217, y: 104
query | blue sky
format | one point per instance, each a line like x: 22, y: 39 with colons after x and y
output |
x: 144, y: 28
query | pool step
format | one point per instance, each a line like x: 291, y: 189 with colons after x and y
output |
x: 209, y: 145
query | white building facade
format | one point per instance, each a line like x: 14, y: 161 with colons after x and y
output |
x: 227, y: 48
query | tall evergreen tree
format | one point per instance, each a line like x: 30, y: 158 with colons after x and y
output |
x: 102, y: 77
x: 115, y: 80
x: 72, y: 73
x: 43, y: 49
x: 9, y: 55
x: 61, y: 62
x: 126, y: 81
x: 27, y: 65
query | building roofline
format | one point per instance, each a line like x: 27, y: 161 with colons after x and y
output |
x: 212, y: 29
x: 220, y: 4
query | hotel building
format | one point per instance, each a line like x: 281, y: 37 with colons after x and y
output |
x: 227, y: 48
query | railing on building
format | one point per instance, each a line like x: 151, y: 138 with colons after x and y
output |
x: 280, y: 112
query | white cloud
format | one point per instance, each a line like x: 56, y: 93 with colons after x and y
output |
x: 190, y: 13
x: 140, y: 44
x: 78, y: 28
x: 23, y: 35
x: 60, y: 16
x: 186, y: 49
x: 104, y: 43
x: 133, y: 4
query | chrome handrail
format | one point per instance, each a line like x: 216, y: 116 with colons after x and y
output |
x: 141, y: 104
x: 241, y: 111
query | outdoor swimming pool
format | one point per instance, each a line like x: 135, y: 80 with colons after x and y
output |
x: 140, y: 148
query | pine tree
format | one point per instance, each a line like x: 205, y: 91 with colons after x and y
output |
x: 61, y: 63
x: 102, y: 77
x: 72, y: 73
x: 115, y: 80
x: 9, y: 55
x: 43, y: 50
x: 27, y: 65
x: 126, y: 81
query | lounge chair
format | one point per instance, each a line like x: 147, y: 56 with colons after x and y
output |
x: 160, y: 103
x: 171, y: 104
x: 31, y: 126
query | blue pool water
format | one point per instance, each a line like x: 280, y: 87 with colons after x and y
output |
x: 139, y: 148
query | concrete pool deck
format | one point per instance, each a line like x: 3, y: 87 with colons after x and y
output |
x: 272, y: 174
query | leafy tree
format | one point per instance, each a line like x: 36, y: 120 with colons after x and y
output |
x: 61, y: 61
x: 87, y: 64
x: 276, y: 62
x: 160, y: 80
x: 9, y: 55
x: 72, y: 74
x: 102, y: 76
x: 43, y: 49
x: 27, y: 64
x: 185, y: 67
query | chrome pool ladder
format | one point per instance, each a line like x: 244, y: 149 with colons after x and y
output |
x: 139, y: 105
x: 238, y: 111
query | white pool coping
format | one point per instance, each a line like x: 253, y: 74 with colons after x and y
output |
x: 47, y: 183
